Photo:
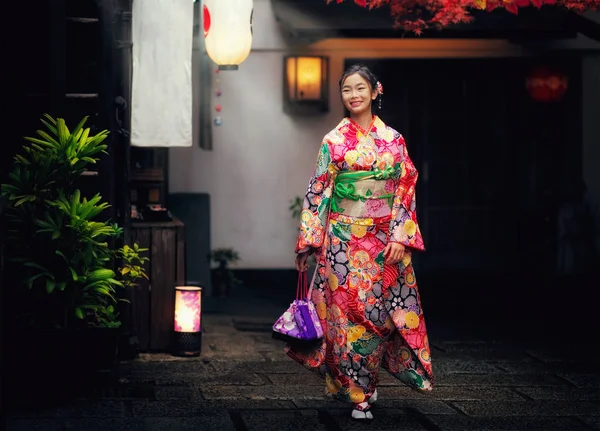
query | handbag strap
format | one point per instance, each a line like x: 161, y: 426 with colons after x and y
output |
x: 303, y: 289
x: 301, y: 285
x: 312, y: 283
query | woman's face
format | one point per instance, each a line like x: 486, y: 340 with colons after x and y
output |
x: 357, y: 94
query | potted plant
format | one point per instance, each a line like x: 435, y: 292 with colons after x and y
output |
x: 222, y: 276
x: 62, y: 255
x: 105, y: 321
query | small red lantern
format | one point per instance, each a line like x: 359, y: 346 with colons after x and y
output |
x: 546, y: 85
x: 206, y: 19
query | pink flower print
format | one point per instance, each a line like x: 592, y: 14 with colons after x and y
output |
x: 373, y: 206
x: 389, y: 186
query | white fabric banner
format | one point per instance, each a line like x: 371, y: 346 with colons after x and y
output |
x: 161, y: 112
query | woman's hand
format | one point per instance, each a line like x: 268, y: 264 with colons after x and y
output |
x: 393, y: 253
x: 302, y: 261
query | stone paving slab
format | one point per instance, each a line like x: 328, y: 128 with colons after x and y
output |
x: 287, y: 366
x: 530, y: 408
x: 450, y: 393
x: 263, y: 321
x: 500, y: 380
x: 250, y: 404
x: 172, y: 408
x: 466, y: 423
x: 423, y: 406
x: 587, y: 381
x: 383, y: 421
x: 120, y: 390
x: 181, y: 379
x: 464, y: 367
x: 481, y: 355
x: 539, y: 367
x: 274, y: 356
x: 431, y: 406
x: 282, y: 420
x: 560, y: 394
x: 557, y: 355
x: 79, y: 408
x: 276, y: 392
x: 177, y: 392
x: 217, y: 345
x: 201, y: 423
x: 478, y: 346
x: 291, y: 380
x: 593, y: 422
x: 28, y: 424
x: 159, y: 365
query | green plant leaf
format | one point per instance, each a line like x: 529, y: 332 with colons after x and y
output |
x: 35, y: 265
x: 61, y: 254
x: 79, y: 313
x: 84, y: 137
x: 19, y: 158
x: 74, y: 274
x: 50, y: 118
x: 63, y: 132
x: 50, y: 285
x: 40, y: 142
x: 100, y: 274
x: 30, y: 280
x: 91, y: 306
x: 49, y: 139
x: 24, y: 199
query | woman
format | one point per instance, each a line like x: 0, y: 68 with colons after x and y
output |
x: 359, y: 219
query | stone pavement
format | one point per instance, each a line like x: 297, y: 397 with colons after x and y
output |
x: 243, y: 381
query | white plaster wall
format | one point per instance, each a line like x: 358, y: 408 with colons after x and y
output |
x: 262, y: 157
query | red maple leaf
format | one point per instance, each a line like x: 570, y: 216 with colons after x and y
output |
x: 418, y: 15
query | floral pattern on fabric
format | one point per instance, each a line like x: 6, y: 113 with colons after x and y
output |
x: 371, y: 312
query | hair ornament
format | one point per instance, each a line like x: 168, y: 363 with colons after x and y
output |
x: 379, y: 88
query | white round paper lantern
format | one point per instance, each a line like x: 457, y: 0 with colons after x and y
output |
x: 228, y: 31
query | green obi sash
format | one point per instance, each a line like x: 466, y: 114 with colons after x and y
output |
x: 345, y: 186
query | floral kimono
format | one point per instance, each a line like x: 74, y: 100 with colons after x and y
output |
x: 362, y: 195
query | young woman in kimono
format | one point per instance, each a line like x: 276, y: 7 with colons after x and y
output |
x: 359, y: 219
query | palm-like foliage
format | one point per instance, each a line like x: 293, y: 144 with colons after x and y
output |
x: 60, y: 247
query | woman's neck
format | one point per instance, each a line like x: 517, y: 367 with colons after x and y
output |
x: 363, y: 120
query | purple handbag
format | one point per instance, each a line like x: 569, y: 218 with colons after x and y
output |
x: 300, y: 321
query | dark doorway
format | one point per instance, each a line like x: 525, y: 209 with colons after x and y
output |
x: 492, y: 162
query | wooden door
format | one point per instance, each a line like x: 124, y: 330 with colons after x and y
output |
x: 468, y: 125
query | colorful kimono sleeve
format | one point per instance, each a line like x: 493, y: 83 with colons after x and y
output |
x: 404, y: 227
x: 315, y: 209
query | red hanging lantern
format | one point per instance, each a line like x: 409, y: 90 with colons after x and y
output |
x: 206, y: 19
x: 546, y: 85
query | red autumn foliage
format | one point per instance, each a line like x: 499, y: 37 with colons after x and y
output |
x: 417, y: 15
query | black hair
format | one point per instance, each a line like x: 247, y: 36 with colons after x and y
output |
x: 370, y: 77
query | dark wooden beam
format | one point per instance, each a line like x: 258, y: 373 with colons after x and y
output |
x: 585, y: 26
x: 58, y: 57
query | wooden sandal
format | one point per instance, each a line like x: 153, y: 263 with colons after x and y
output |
x: 362, y: 411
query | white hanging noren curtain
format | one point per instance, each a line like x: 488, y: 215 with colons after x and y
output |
x: 161, y: 112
